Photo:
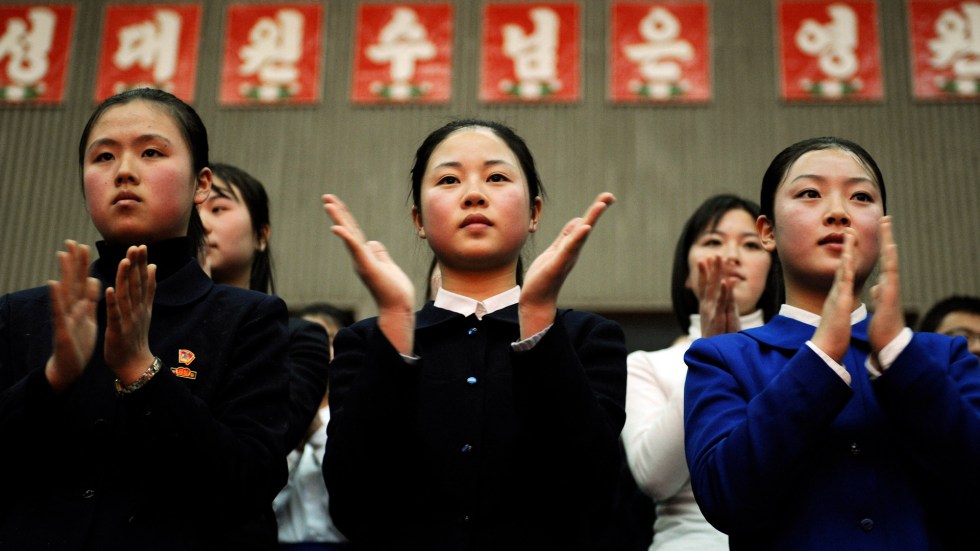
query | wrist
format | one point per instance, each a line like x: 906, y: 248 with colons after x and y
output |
x: 130, y: 386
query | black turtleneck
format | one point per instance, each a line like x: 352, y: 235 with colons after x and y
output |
x: 169, y: 255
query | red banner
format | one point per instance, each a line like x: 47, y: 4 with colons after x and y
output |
x: 152, y: 46
x: 945, y: 42
x: 530, y: 52
x: 403, y: 53
x: 660, y: 52
x: 272, y: 54
x: 829, y: 50
x: 34, y: 42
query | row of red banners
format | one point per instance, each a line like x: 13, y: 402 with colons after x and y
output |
x: 659, y: 51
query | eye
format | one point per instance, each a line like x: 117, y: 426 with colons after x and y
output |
x: 753, y: 245
x: 104, y: 156
x: 711, y: 242
x: 863, y: 197
x: 152, y: 153
x: 447, y: 180
x: 217, y: 209
x: 809, y: 194
x: 497, y: 177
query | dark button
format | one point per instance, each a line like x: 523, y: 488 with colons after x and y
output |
x: 867, y: 524
x: 466, y: 449
x: 99, y: 422
x: 466, y: 518
x: 88, y: 494
x: 131, y: 519
x: 855, y: 449
x: 472, y: 331
x: 471, y: 380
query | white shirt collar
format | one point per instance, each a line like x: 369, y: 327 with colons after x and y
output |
x: 810, y: 318
x: 447, y: 300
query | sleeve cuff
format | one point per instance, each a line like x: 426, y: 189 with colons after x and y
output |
x: 530, y: 342
x: 838, y: 368
x: 888, y: 354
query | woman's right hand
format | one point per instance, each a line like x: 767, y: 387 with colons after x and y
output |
x: 833, y: 335
x: 392, y: 290
x: 73, y: 302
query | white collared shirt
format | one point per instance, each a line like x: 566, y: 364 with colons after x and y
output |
x: 466, y: 306
x: 886, y: 357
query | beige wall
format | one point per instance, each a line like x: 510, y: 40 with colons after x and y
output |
x: 659, y: 161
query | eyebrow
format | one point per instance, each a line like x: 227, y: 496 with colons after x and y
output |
x: 850, y: 181
x: 457, y: 164
x: 140, y: 140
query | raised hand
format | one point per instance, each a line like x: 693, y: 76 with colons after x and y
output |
x: 833, y: 335
x: 543, y: 281
x: 716, y: 299
x: 886, y: 298
x: 73, y: 301
x: 392, y: 290
x: 129, y: 306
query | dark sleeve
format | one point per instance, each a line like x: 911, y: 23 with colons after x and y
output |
x: 225, y: 456
x: 745, y: 451
x: 309, y: 356
x: 370, y: 434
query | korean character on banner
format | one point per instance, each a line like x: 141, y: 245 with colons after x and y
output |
x: 404, y: 53
x: 536, y: 63
x: 946, y: 48
x: 34, y: 52
x: 659, y: 52
x: 830, y: 50
x: 271, y: 54
x: 152, y: 46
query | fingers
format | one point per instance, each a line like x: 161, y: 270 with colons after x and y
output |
x: 889, y: 250
x: 342, y: 218
x: 595, y: 210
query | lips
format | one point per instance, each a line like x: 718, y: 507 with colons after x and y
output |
x: 832, y: 239
x: 125, y: 197
x: 476, y: 219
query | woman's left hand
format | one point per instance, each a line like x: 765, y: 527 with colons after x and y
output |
x: 888, y: 319
x: 129, y: 306
x: 543, y: 281
x: 716, y: 299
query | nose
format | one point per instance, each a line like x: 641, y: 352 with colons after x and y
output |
x: 837, y: 214
x: 125, y: 173
x: 474, y: 197
x: 732, y: 253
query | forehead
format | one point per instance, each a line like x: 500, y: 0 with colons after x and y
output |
x: 960, y: 318
x: 732, y: 220
x: 473, y: 141
x: 223, y: 189
x: 829, y: 163
x: 140, y: 117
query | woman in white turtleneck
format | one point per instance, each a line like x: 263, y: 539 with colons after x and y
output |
x: 720, y: 270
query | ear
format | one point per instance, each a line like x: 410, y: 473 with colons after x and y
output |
x: 265, y: 232
x: 417, y: 219
x: 767, y: 232
x: 535, y: 214
x: 203, y: 186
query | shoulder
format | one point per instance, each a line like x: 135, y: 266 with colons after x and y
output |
x: 657, y: 359
x: 21, y: 306
x: 577, y: 321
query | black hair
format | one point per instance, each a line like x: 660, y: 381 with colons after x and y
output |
x: 256, y: 200
x: 781, y: 164
x: 706, y: 218
x: 191, y: 128
x: 956, y: 303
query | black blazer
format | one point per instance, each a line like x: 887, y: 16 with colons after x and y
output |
x: 168, y: 466
x: 475, y: 446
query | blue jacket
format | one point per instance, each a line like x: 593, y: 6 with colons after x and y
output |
x: 167, y: 467
x: 475, y: 446
x: 784, y: 455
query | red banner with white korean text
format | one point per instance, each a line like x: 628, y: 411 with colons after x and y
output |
x: 829, y: 50
x: 149, y: 45
x: 272, y: 54
x: 660, y: 52
x: 34, y: 44
x: 945, y: 43
x: 531, y: 53
x: 403, y: 54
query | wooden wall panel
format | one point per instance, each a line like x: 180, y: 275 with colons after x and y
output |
x: 660, y: 161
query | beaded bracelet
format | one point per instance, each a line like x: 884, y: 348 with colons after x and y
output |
x: 156, y: 366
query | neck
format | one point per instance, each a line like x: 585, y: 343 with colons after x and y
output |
x: 478, y: 285
x: 812, y: 297
x: 240, y: 278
